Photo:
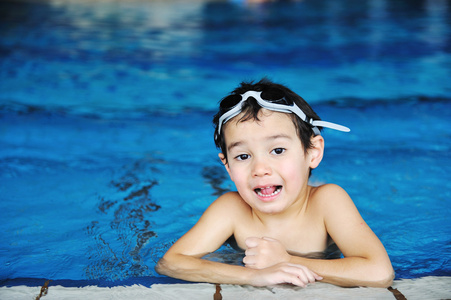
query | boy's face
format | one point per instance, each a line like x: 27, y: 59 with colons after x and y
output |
x: 266, y: 161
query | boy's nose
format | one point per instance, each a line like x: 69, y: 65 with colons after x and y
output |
x: 260, y: 167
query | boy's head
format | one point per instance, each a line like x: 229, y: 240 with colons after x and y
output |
x: 266, y: 94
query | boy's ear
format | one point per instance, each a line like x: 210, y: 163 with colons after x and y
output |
x: 317, y: 151
x: 224, y: 162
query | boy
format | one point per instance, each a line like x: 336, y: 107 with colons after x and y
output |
x: 270, y: 141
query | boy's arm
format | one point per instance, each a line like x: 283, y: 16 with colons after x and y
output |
x: 365, y: 261
x: 183, y: 259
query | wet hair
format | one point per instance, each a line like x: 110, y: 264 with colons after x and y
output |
x: 251, y: 109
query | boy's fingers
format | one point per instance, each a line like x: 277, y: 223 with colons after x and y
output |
x: 249, y: 263
x: 317, y: 277
x: 250, y: 251
x: 305, y: 274
x: 308, y: 274
x: 298, y: 277
x: 310, y: 277
x: 295, y: 280
x: 249, y: 258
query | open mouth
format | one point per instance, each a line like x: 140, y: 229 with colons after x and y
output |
x: 268, y: 191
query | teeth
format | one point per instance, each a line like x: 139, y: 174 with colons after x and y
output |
x: 278, y: 189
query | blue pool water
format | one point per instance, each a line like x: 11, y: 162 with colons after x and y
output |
x: 106, y: 148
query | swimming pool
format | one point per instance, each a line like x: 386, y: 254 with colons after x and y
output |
x: 106, y: 148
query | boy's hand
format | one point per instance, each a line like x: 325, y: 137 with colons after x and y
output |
x: 264, y: 252
x: 285, y: 273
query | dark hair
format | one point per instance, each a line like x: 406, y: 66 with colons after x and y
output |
x: 251, y: 109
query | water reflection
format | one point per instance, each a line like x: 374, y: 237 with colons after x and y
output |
x: 117, y: 250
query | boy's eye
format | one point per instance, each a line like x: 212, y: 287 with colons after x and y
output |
x: 242, y: 157
x: 278, y: 151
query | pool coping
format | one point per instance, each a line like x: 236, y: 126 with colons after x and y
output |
x: 431, y: 287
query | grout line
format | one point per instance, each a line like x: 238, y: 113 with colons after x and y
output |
x: 398, y: 295
x: 44, y: 290
x: 217, y: 295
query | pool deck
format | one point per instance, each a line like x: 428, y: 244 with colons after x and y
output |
x: 422, y: 288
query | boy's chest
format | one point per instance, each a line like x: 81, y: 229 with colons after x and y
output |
x: 299, y: 238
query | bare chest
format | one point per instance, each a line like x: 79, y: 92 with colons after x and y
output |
x: 297, y: 237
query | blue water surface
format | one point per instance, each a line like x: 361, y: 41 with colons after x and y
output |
x: 106, y: 148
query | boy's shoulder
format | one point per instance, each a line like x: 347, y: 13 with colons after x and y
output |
x: 327, y: 190
x: 329, y: 196
x: 230, y: 201
x: 333, y: 203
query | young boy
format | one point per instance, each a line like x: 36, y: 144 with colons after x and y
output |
x: 270, y: 141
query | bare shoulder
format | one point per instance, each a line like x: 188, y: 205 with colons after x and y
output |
x: 229, y: 200
x: 334, y: 202
x: 229, y: 204
x: 329, y: 194
x: 329, y: 189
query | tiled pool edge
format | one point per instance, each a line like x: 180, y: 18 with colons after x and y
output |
x: 421, y: 288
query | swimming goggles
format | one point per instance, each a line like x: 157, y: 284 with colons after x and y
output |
x: 279, y: 105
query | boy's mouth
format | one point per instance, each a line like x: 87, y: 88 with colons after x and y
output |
x: 268, y: 191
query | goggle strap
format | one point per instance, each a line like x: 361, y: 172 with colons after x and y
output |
x: 316, y: 130
x: 330, y: 125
